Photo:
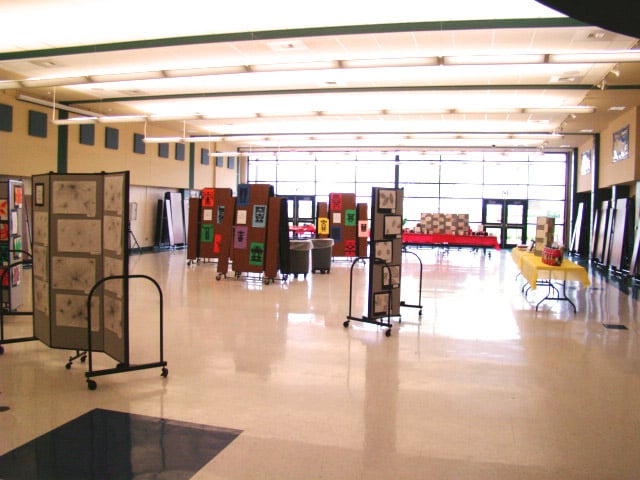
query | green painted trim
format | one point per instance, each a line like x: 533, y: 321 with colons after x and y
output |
x: 192, y: 163
x: 309, y: 91
x: 299, y: 33
x: 63, y: 144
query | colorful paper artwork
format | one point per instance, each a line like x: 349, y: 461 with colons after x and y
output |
x: 220, y: 214
x: 206, y: 233
x: 336, y: 218
x: 259, y: 216
x: 207, y: 197
x: 217, y: 243
x: 240, y: 237
x: 17, y: 196
x: 243, y: 195
x: 207, y: 215
x: 336, y: 233
x: 4, y: 231
x: 363, y: 229
x: 323, y: 226
x: 335, y: 201
x: 350, y: 218
x: 350, y: 248
x: 241, y: 217
x: 4, y: 209
x: 256, y: 254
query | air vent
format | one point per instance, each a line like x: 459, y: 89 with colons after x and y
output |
x: 564, y: 79
x: 597, y: 35
x: 291, y: 45
x: 44, y: 63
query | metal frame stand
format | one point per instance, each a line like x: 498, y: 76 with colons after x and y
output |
x: 120, y: 368
x: 4, y: 275
x: 371, y: 320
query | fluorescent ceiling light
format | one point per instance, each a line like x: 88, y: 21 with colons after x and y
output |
x: 206, y: 71
x: 9, y: 84
x: 391, y: 62
x: 125, y: 76
x: 494, y: 59
x: 169, y: 118
x: 75, y: 121
x: 225, y: 154
x: 596, y: 57
x: 203, y: 139
x: 53, y: 82
x: 163, y: 139
x: 288, y: 67
x: 122, y: 119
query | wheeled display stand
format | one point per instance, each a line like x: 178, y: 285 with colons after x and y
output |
x: 9, y: 313
x: 385, y: 259
x: 124, y: 365
x: 207, y: 227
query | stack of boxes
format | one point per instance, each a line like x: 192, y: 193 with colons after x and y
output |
x: 439, y: 223
x: 544, y: 233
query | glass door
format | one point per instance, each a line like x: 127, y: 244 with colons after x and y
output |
x: 506, y: 219
x: 301, y: 211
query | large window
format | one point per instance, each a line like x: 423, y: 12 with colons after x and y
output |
x: 447, y: 183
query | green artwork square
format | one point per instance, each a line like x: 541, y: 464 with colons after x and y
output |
x: 350, y: 218
x: 206, y: 233
x: 256, y: 253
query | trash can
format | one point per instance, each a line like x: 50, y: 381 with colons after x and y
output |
x: 299, y: 257
x: 321, y: 254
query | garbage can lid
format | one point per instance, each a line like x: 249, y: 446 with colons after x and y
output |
x: 300, y: 245
x: 322, y: 242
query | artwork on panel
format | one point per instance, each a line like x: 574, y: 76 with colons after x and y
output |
x: 585, y: 163
x: 336, y: 233
x: 71, y: 311
x: 40, y: 261
x: 4, y: 231
x: 243, y: 195
x: 240, y: 237
x: 74, y: 197
x: 41, y: 228
x: 16, y: 275
x: 217, y: 242
x: 363, y: 229
x: 4, y: 253
x: 112, y: 234
x: 112, y: 315
x: 621, y: 144
x: 81, y: 236
x: 241, y: 217
x: 387, y: 200
x: 256, y: 253
x: 336, y: 218
x: 259, y: 216
x: 392, y: 225
x: 14, y: 222
x: 113, y: 199
x: 39, y: 194
x: 350, y: 248
x: 206, y: 233
x: 4, y: 277
x: 380, y: 303
x: 73, y: 273
x: 41, y: 296
x: 350, y: 218
x: 207, y: 215
x: 4, y: 209
x: 335, y: 201
x: 391, y: 276
x: 384, y: 251
x: 17, y: 196
x: 113, y: 267
x: 220, y: 214
x: 323, y: 226
x: 208, y: 197
x: 17, y: 248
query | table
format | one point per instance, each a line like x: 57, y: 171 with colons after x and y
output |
x: 535, y: 272
x: 450, y: 240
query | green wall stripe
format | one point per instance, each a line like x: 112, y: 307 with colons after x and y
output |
x: 192, y: 163
x: 63, y: 143
x: 298, y: 33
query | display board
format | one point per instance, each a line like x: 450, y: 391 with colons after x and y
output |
x: 601, y: 239
x: 322, y: 220
x: 12, y: 240
x: 385, y: 252
x: 362, y: 231
x: 211, y: 220
x: 618, y: 253
x: 80, y: 225
x: 248, y: 249
x: 343, y: 221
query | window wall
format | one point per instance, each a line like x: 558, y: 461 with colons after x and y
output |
x: 438, y: 183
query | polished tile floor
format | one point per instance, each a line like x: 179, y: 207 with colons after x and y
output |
x: 480, y: 387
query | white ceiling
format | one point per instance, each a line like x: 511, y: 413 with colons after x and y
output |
x: 339, y: 75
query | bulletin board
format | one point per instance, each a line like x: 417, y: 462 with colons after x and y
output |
x: 343, y: 221
x: 80, y: 226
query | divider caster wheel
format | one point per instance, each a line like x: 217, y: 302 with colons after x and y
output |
x: 1, y: 349
x: 68, y: 366
x: 218, y: 277
x: 165, y: 372
x: 91, y: 384
x: 83, y: 358
x: 345, y: 324
x: 388, y: 333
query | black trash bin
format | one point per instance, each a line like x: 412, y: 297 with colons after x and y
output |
x: 299, y: 257
x: 321, y: 254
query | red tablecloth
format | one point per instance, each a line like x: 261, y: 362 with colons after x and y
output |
x: 449, y: 239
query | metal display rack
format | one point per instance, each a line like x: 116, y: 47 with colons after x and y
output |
x: 4, y: 276
x: 125, y: 365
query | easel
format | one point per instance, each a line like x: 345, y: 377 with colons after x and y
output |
x: 135, y: 240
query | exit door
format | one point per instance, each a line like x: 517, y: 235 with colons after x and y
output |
x: 301, y: 209
x: 506, y: 219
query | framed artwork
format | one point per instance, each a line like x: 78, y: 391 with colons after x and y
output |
x: 621, y: 144
x: 392, y: 225
x: 387, y: 200
x: 380, y: 303
x: 17, y: 196
x: 585, y: 163
x: 384, y: 251
x: 39, y: 194
x: 391, y: 276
